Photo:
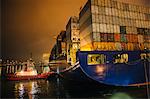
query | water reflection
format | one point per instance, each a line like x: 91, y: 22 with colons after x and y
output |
x: 30, y: 88
x: 60, y: 88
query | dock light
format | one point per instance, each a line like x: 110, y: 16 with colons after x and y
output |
x: 100, y: 69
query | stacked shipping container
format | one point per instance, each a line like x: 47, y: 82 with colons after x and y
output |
x: 113, y: 25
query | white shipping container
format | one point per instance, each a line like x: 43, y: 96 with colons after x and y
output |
x: 130, y: 7
x: 120, y: 5
x: 108, y: 28
x: 97, y: 27
x: 106, y: 20
x: 96, y: 9
x: 134, y: 30
x: 93, y: 8
x: 98, y: 37
x: 107, y: 10
x: 94, y: 27
x: 123, y: 22
x: 93, y: 18
x: 101, y: 18
x: 107, y: 3
x: 129, y: 22
x: 116, y: 12
x: 116, y: 19
x: 118, y: 29
x: 92, y: 2
x: 140, y: 39
x: 101, y: 28
x: 110, y: 19
x: 126, y: 22
x: 119, y: 13
x: 101, y: 10
x: 104, y: 28
x: 101, y: 3
x: 94, y: 36
x: 124, y: 14
x: 113, y: 11
x: 97, y: 18
x: 111, y: 29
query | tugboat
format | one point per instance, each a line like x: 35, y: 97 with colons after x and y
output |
x: 28, y: 73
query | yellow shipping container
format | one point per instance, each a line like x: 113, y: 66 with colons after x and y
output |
x: 130, y: 46
x: 118, y: 46
x: 147, y: 46
x: 87, y: 47
x: 104, y: 46
x: 141, y: 46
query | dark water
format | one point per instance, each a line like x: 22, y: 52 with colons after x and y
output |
x: 60, y: 88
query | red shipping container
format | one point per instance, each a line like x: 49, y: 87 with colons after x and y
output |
x: 117, y: 37
x: 134, y: 38
x: 124, y: 46
x: 128, y: 36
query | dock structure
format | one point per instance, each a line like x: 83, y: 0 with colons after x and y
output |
x: 10, y: 67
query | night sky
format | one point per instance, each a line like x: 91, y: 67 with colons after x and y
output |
x: 32, y: 25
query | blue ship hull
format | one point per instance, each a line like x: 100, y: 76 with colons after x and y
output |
x: 134, y: 72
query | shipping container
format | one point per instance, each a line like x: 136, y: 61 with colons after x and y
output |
x: 110, y: 37
x: 94, y: 27
x: 101, y: 10
x: 87, y: 47
x: 136, y: 46
x: 141, y: 46
x: 104, y: 28
x: 130, y: 46
x: 147, y: 46
x: 118, y: 46
x: 94, y: 9
x: 108, y: 11
x: 140, y: 38
x: 147, y: 38
x: 116, y: 29
x: 114, y: 4
x: 124, y: 46
x: 101, y: 3
x: 117, y: 37
x: 128, y: 36
x: 123, y: 38
x: 108, y: 28
x: 101, y: 19
x: 97, y: 18
x: 103, y: 37
x: 97, y: 27
x: 94, y: 18
x: 107, y: 3
x: 134, y: 38
x: 104, y: 46
x: 111, y: 46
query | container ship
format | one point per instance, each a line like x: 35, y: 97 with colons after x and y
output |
x: 114, y: 44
